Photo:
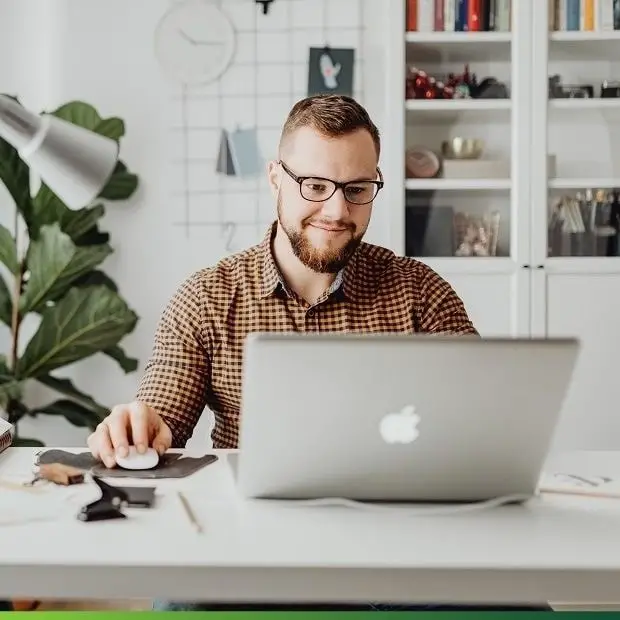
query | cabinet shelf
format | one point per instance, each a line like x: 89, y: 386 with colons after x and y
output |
x: 458, y: 38
x: 581, y: 104
x: 456, y: 106
x: 457, y: 184
x: 576, y: 36
x: 591, y: 183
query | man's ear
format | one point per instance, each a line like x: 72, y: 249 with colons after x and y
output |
x: 274, y: 177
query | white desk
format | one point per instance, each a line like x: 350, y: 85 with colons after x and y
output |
x: 553, y: 549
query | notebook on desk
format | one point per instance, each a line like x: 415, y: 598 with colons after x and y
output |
x: 7, y: 432
x: 575, y: 484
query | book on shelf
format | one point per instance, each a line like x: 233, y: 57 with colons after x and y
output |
x: 7, y: 432
x: 584, y: 15
x: 458, y: 15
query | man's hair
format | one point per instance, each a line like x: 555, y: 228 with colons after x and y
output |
x: 332, y: 116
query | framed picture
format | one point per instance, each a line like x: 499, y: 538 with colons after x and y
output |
x: 330, y: 70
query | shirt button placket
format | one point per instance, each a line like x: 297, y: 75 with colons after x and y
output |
x: 312, y: 320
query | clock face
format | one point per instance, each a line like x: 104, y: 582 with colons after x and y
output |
x: 194, y: 42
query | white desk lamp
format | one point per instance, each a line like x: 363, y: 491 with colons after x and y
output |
x: 73, y: 162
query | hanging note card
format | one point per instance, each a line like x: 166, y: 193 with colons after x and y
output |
x: 239, y: 154
x: 245, y: 152
x: 225, y: 163
x: 330, y: 70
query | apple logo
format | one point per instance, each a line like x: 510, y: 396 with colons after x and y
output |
x: 401, y: 426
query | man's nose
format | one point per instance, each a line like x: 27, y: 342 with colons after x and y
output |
x: 337, y: 206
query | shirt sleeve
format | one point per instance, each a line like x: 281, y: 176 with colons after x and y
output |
x: 175, y: 378
x: 443, y: 311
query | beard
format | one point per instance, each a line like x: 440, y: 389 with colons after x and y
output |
x: 330, y: 259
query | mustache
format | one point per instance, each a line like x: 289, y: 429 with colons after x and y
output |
x: 330, y: 223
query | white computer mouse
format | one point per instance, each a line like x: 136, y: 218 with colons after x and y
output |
x: 135, y: 460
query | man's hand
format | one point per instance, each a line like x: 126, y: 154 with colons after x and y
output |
x: 133, y: 424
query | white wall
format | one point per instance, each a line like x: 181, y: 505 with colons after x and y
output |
x: 102, y: 52
x: 25, y: 72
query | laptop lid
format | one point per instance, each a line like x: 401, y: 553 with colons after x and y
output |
x: 398, y: 417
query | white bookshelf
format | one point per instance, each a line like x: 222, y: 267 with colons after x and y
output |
x: 426, y: 122
x: 535, y: 287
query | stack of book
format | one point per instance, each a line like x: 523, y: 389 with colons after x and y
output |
x: 458, y: 15
x: 584, y: 15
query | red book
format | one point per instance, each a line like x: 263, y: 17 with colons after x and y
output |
x: 439, y: 15
x: 412, y: 15
x: 474, y: 18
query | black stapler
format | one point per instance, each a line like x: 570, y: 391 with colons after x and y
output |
x: 108, y: 506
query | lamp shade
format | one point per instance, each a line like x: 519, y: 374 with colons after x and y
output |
x: 73, y: 162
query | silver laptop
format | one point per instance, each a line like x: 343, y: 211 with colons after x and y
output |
x: 398, y: 417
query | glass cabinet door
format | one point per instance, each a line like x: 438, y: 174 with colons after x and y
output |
x: 458, y: 130
x: 583, y: 131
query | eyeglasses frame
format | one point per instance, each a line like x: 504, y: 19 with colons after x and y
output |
x: 337, y: 185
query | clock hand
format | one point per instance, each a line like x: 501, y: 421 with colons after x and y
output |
x: 196, y: 42
x: 186, y: 36
x: 212, y: 43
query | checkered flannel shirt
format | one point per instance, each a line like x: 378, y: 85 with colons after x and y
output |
x: 197, y: 355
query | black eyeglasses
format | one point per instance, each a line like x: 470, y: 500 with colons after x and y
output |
x: 317, y: 189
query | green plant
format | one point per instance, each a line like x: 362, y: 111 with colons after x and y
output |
x: 55, y: 274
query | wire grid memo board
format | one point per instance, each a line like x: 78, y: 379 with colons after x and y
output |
x: 268, y: 74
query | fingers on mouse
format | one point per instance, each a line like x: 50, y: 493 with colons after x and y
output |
x: 138, y: 461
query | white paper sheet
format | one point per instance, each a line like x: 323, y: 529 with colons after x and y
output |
x: 45, y: 502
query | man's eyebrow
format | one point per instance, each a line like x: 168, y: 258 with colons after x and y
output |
x: 358, y: 180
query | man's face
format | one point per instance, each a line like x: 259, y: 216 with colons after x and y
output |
x: 323, y: 235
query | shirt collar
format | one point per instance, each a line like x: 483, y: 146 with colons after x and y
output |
x: 271, y: 277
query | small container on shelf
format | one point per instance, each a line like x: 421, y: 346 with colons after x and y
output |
x: 462, y: 148
x: 586, y: 224
x: 476, y: 235
x: 441, y: 229
x: 462, y: 159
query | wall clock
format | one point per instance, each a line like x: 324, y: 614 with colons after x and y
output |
x: 194, y: 42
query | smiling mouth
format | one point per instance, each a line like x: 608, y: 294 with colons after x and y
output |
x: 328, y: 228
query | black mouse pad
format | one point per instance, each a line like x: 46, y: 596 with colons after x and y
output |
x: 169, y: 466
